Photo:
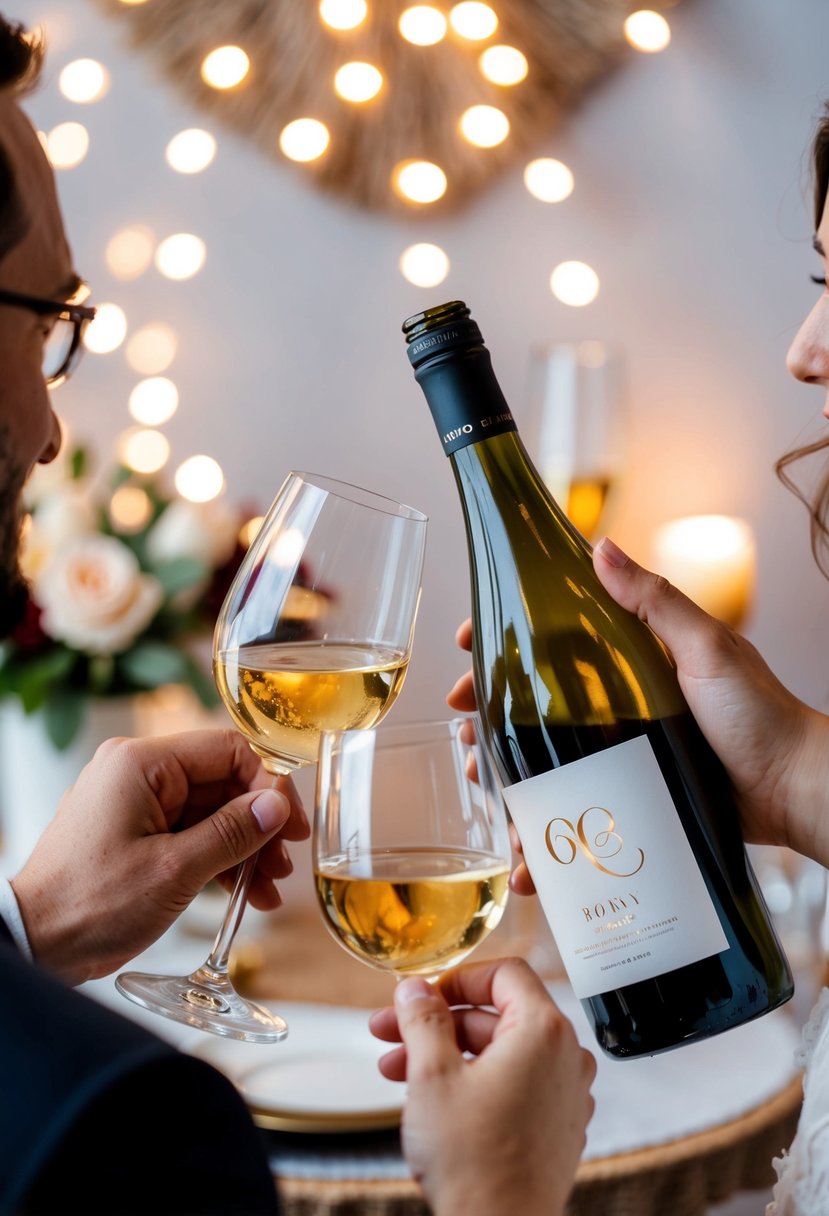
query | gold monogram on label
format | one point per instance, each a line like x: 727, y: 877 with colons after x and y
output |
x: 598, y: 841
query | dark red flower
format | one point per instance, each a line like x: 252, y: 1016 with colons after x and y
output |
x: 29, y: 636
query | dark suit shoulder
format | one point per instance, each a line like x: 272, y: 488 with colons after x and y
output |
x: 99, y: 1115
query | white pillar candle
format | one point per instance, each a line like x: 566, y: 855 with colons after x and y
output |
x: 712, y: 559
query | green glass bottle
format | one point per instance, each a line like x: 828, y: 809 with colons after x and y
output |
x: 626, y: 816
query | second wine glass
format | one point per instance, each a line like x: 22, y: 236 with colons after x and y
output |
x: 411, y: 849
x: 315, y: 634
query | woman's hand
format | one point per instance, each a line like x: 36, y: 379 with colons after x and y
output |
x: 501, y: 1132
x: 774, y: 747
x: 147, y: 823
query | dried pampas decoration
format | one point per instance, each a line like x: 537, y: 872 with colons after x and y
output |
x: 569, y: 44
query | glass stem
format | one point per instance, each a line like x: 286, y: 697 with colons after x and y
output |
x: 217, y: 961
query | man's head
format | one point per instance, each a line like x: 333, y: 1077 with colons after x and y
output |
x: 34, y: 260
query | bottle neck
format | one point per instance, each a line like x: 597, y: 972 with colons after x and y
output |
x: 465, y: 398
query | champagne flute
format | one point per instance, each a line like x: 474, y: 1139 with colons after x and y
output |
x: 576, y: 403
x: 411, y: 850
x: 315, y: 634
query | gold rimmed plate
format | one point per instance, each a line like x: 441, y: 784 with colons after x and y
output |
x: 322, y: 1078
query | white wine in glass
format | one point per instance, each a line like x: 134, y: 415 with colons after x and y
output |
x: 315, y: 634
x: 577, y: 427
x: 411, y: 848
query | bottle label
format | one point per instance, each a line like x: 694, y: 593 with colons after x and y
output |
x: 616, y: 876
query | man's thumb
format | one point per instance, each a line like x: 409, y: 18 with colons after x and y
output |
x: 236, y: 830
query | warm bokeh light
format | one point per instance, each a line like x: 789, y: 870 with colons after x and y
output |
x: 225, y: 67
x: 712, y: 558
x: 130, y: 508
x: 304, y: 139
x: 180, y: 256
x: 484, y: 126
x: 152, y: 348
x: 504, y: 65
x: 107, y: 331
x: 647, y: 31
x: 419, y: 181
x: 129, y: 252
x: 190, y: 151
x: 199, y: 478
x: 422, y: 25
x: 67, y: 144
x: 548, y: 179
x: 143, y: 451
x: 83, y: 80
x: 358, y: 81
x: 574, y: 283
x: 424, y: 265
x: 343, y: 14
x: 472, y: 20
x: 249, y: 530
x: 153, y: 401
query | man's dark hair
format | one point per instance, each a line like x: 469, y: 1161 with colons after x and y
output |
x: 20, y: 61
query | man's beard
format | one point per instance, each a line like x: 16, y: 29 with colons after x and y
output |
x: 13, y: 589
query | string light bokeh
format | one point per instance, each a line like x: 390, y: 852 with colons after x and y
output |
x: 135, y: 249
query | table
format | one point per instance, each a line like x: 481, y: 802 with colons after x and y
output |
x: 291, y: 957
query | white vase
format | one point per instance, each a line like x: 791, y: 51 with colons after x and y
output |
x: 34, y: 774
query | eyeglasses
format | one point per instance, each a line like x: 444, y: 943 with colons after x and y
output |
x: 63, y: 348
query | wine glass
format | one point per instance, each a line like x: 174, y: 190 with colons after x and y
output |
x: 314, y: 634
x: 577, y: 423
x: 411, y: 850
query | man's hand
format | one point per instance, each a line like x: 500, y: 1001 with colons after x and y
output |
x: 147, y: 823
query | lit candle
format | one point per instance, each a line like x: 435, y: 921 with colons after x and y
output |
x: 712, y: 559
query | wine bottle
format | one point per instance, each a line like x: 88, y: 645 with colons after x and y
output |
x: 626, y: 816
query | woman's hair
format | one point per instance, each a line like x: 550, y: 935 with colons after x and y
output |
x: 818, y: 503
x: 20, y: 61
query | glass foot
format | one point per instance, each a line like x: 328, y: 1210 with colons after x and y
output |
x: 205, y: 1002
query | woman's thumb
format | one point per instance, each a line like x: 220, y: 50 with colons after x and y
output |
x: 672, y: 616
x: 426, y: 1027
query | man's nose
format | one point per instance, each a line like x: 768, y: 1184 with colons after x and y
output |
x: 53, y: 443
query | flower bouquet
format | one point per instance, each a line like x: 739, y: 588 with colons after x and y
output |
x: 125, y: 582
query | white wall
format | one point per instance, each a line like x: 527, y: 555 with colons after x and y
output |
x: 690, y: 202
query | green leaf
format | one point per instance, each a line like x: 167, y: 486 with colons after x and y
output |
x: 201, y: 683
x: 150, y: 664
x: 63, y: 716
x: 78, y: 463
x: 101, y: 673
x: 39, y: 677
x: 180, y: 574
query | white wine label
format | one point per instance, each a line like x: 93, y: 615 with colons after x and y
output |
x: 613, y: 869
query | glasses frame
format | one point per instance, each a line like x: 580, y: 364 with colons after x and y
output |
x: 79, y: 314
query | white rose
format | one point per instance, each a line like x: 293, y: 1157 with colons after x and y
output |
x: 65, y: 513
x: 94, y: 595
x: 205, y: 530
